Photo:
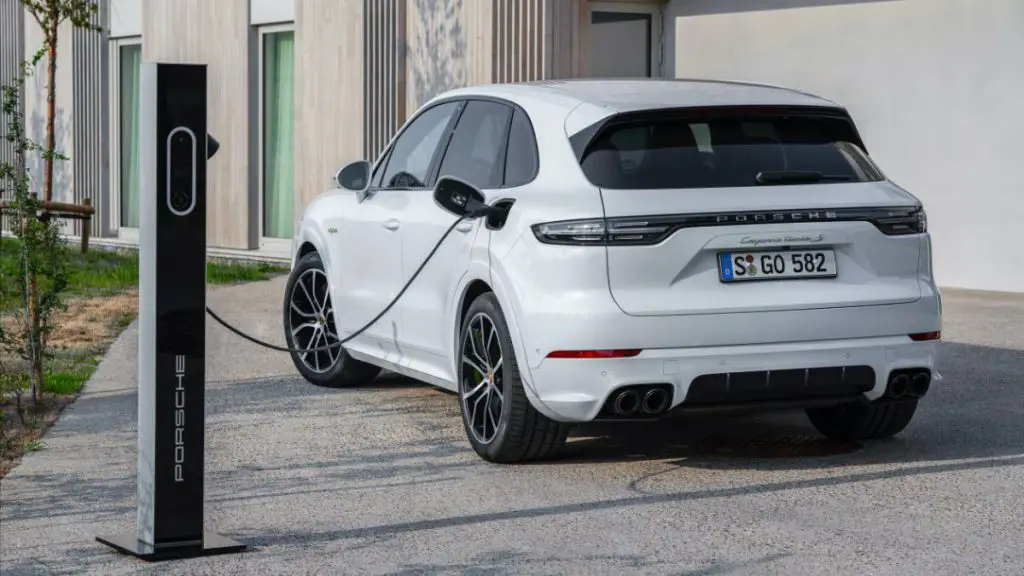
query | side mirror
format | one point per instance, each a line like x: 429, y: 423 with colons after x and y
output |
x: 355, y: 176
x: 460, y: 197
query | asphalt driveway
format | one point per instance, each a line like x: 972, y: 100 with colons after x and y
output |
x: 381, y: 480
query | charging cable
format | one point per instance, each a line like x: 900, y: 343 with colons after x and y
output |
x: 357, y: 332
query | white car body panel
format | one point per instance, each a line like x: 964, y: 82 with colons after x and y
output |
x: 432, y: 299
x: 665, y: 299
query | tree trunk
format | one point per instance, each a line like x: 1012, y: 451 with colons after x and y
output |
x: 51, y: 108
x: 37, y: 343
x: 34, y: 341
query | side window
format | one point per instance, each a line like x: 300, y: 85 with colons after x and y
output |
x: 522, y: 156
x: 411, y: 156
x: 477, y: 147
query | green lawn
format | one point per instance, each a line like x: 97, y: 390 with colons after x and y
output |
x: 103, y: 272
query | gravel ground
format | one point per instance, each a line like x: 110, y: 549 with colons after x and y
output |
x: 381, y: 480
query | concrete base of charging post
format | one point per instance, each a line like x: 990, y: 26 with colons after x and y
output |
x: 174, y: 149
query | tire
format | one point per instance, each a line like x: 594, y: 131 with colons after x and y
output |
x: 862, y: 422
x: 521, y: 433
x: 329, y: 368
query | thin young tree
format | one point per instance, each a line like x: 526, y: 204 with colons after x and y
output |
x: 42, y: 271
x: 49, y: 15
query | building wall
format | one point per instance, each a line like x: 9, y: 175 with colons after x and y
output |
x: 384, y: 92
x: 271, y: 11
x: 566, y: 24
x: 329, y: 88
x: 12, y: 49
x: 89, y: 87
x: 932, y: 84
x: 36, y: 110
x: 12, y: 52
x: 217, y: 34
x: 125, y: 18
x: 517, y: 40
x: 448, y: 46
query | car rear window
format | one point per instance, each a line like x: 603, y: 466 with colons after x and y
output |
x: 726, y: 149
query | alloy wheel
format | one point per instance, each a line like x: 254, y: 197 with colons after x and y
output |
x: 311, y: 322
x: 481, y: 386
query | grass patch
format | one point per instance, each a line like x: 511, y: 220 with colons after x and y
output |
x: 107, y: 272
x: 69, y: 369
x: 67, y: 382
x: 101, y: 273
x: 229, y: 273
x: 122, y: 320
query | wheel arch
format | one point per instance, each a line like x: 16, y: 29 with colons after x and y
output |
x: 504, y: 291
x: 470, y: 288
x: 306, y: 247
x: 474, y: 289
x: 310, y: 239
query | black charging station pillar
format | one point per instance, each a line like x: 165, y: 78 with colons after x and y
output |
x: 174, y: 148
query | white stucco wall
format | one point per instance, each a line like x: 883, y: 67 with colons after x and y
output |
x: 935, y: 86
x: 125, y: 18
x: 271, y: 11
x: 36, y: 111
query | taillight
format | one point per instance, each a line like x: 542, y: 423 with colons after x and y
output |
x: 649, y: 230
x: 926, y: 336
x: 635, y: 231
x: 896, y: 222
x: 571, y: 232
x: 601, y: 232
x: 594, y: 353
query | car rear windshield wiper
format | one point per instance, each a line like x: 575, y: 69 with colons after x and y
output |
x: 797, y: 177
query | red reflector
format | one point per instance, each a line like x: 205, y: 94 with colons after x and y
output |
x: 926, y: 336
x: 594, y: 353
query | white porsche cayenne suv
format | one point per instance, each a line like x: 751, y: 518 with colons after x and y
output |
x: 620, y: 249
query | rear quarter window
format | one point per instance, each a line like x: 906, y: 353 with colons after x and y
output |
x: 726, y: 148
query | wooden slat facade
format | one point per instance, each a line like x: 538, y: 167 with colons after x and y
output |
x: 329, y: 92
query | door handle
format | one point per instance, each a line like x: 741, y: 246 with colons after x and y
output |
x: 392, y: 224
x: 464, y: 226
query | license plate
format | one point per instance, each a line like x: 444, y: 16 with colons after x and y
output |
x: 780, y: 265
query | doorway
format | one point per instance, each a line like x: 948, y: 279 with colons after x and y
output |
x: 625, y: 40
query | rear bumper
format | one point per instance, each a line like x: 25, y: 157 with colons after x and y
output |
x: 559, y: 299
x: 576, y: 390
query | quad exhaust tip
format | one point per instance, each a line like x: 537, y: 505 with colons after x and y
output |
x: 912, y: 384
x: 627, y: 402
x: 899, y: 385
x: 919, y: 384
x: 655, y: 400
x: 640, y: 400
